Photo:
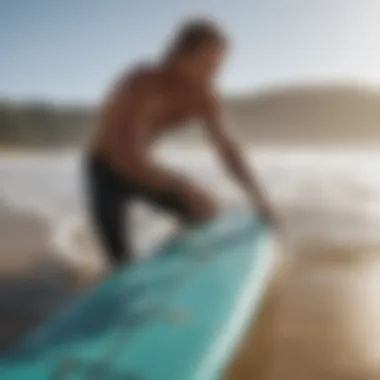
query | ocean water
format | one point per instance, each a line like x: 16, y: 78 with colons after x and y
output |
x: 326, y: 194
x: 327, y: 309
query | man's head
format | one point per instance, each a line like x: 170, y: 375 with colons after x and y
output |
x: 198, y: 49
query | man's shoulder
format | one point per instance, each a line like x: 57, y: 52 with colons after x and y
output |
x: 141, y: 74
x: 139, y: 80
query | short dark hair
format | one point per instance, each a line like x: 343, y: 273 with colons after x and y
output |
x: 195, y: 33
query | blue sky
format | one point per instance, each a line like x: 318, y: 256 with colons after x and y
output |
x: 70, y: 50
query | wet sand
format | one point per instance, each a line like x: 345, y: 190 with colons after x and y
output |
x: 27, y: 301
x: 35, y: 280
x: 319, y: 320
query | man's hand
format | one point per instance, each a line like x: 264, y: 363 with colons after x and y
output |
x: 269, y: 215
x: 266, y: 212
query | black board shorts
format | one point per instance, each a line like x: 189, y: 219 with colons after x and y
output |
x: 109, y: 197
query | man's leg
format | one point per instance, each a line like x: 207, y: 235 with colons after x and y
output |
x: 109, y: 222
x: 201, y: 208
x: 196, y: 206
x: 107, y: 201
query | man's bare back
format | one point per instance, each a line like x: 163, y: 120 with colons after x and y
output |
x: 145, y: 104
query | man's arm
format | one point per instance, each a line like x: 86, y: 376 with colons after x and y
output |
x: 222, y: 138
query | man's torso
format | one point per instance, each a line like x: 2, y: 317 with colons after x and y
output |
x: 176, y: 102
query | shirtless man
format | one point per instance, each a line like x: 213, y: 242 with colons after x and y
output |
x: 145, y: 104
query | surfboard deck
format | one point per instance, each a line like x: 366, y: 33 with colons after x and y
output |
x: 177, y: 316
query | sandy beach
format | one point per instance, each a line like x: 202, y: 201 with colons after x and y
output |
x: 318, y: 321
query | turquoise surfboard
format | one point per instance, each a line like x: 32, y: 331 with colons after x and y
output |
x: 178, y: 316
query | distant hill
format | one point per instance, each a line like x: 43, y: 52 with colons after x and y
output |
x: 344, y: 114
x: 336, y: 114
x: 43, y: 124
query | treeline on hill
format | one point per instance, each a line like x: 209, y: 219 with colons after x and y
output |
x: 43, y: 124
x: 46, y: 125
x: 338, y: 114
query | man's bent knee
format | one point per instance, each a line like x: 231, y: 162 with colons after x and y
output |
x: 203, y: 208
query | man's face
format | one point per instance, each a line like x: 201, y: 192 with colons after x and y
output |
x: 204, y: 64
